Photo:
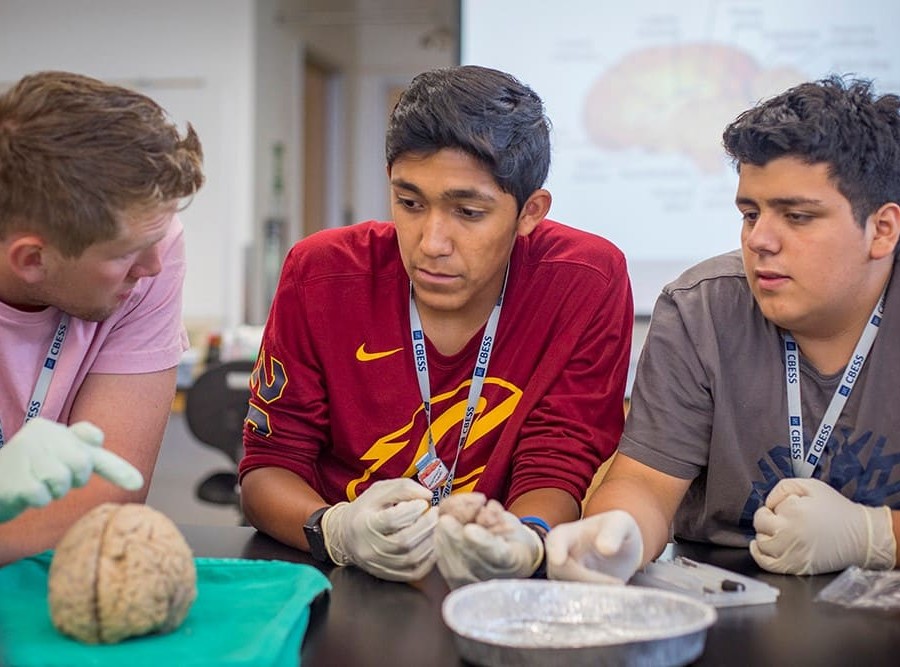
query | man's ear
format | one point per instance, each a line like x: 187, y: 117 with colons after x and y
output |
x: 26, y: 257
x: 534, y: 210
x: 886, y: 230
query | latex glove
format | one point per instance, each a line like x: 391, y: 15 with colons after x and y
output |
x: 496, y: 545
x: 604, y: 548
x: 807, y: 527
x: 44, y: 460
x: 387, y: 531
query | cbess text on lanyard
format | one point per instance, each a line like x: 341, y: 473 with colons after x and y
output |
x: 803, y: 463
x: 42, y: 385
x: 432, y: 471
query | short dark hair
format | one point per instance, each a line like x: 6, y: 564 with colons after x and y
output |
x: 486, y: 113
x: 76, y: 154
x: 839, y: 122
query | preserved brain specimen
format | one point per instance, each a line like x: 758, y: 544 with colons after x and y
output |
x: 122, y: 570
x: 464, y: 507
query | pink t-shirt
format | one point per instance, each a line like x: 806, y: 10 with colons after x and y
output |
x: 145, y: 335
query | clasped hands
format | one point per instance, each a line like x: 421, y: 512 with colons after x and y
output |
x: 392, y: 531
x: 44, y: 460
x: 807, y: 527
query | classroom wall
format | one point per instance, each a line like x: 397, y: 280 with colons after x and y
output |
x: 373, y: 46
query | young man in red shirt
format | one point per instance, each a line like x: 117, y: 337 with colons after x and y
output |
x: 470, y: 345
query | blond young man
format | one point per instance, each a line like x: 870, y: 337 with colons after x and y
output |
x: 91, y: 268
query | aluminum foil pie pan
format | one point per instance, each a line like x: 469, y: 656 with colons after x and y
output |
x: 534, y: 622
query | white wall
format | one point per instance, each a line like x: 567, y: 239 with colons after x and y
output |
x: 372, y: 46
x: 196, y: 59
x: 393, y: 56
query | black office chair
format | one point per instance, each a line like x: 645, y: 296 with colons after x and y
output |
x: 215, y: 408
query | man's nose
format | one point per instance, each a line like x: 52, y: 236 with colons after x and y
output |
x: 762, y: 236
x: 436, y: 240
x: 149, y: 263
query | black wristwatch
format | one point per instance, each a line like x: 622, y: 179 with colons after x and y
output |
x: 315, y: 537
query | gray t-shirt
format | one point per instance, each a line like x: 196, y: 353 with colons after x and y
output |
x: 709, y: 404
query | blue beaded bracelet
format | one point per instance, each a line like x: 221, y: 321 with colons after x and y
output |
x: 536, y: 521
x: 541, y: 527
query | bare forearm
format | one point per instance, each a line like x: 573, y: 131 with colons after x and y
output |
x: 278, y: 502
x: 552, y: 505
x: 39, y: 529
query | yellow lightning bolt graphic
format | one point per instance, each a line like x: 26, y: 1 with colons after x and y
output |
x: 388, y: 446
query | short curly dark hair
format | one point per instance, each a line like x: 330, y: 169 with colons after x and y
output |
x: 837, y: 121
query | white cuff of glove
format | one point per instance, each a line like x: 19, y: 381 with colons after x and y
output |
x: 334, y: 546
x: 882, y: 550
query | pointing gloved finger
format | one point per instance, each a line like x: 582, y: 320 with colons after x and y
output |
x: 117, y: 470
x: 88, y: 433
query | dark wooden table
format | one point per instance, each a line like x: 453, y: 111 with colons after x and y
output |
x: 366, y: 621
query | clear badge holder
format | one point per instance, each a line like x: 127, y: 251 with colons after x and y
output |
x: 714, y: 585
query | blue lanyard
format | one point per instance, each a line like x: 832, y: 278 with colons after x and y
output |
x: 42, y: 385
x: 803, y: 463
x: 420, y: 361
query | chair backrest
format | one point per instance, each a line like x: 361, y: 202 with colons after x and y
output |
x: 216, y: 404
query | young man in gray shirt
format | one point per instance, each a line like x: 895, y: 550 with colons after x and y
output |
x: 761, y: 411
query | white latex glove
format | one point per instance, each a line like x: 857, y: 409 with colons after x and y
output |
x: 807, y: 527
x: 497, y: 545
x: 387, y: 531
x: 605, y: 548
x: 44, y: 460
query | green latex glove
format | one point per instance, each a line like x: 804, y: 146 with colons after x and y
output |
x: 44, y: 460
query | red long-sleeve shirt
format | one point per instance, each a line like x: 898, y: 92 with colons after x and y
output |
x: 335, y: 397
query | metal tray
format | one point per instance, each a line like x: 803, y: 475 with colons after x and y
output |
x: 531, y: 622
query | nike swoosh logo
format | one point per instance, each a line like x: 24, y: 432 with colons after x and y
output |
x: 362, y: 355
